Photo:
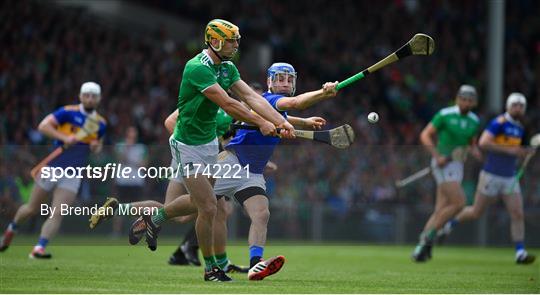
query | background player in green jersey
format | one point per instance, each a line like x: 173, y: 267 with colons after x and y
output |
x: 456, y: 128
x: 205, y: 80
x: 502, y: 142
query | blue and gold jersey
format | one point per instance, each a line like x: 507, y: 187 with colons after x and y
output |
x: 251, y: 146
x: 70, y: 120
x: 509, y: 132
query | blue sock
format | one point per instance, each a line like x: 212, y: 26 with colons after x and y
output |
x: 520, y: 245
x: 453, y: 222
x: 256, y: 251
x: 12, y: 226
x: 255, y: 255
x: 42, y: 242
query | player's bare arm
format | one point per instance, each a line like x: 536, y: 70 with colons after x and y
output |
x: 48, y: 127
x: 487, y: 143
x: 305, y: 100
x: 426, y: 138
x: 262, y: 107
x: 238, y: 111
x: 314, y: 123
x: 170, y: 122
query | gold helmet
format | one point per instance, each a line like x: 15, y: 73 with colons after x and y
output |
x: 221, y: 30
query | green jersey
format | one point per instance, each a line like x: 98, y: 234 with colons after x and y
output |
x: 454, y: 129
x: 196, y: 122
x: 223, y: 121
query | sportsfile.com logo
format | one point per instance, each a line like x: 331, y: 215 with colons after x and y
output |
x: 109, y: 171
x: 119, y: 171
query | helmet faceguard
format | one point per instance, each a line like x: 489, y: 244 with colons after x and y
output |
x: 279, y: 76
x: 514, y: 98
x: 223, y: 31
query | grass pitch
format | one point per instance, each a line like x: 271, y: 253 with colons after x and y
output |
x: 309, y: 269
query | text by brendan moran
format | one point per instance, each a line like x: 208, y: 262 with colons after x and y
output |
x: 67, y: 210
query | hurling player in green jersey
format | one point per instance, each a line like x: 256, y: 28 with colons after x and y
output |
x: 187, y: 251
x: 455, y: 128
x: 206, y: 79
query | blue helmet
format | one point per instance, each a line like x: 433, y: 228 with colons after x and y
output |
x: 282, y: 68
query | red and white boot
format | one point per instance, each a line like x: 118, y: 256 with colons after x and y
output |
x: 266, y: 268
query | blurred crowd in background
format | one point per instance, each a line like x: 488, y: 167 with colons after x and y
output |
x: 48, y: 52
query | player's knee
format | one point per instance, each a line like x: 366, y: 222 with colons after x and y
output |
x: 458, y: 204
x: 261, y: 216
x: 31, y: 209
x: 56, y: 215
x: 208, y: 209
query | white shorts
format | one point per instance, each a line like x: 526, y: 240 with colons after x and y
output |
x: 178, y: 179
x: 229, y: 186
x: 452, y: 171
x: 491, y: 185
x: 71, y: 184
x: 192, y: 158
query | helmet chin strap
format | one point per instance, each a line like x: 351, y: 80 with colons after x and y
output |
x: 221, y: 58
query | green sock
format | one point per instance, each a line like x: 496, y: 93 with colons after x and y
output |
x: 432, y: 233
x: 160, y: 217
x: 428, y: 236
x: 210, y: 262
x: 222, y: 260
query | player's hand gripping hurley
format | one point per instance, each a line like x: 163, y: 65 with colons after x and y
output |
x: 420, y: 44
x: 340, y: 137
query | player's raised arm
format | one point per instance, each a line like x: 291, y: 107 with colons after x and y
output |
x: 307, y: 99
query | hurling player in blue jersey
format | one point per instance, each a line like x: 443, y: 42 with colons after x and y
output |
x: 61, y: 125
x: 501, y: 140
x: 251, y: 150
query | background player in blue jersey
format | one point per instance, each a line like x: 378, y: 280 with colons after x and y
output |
x: 250, y: 147
x: 502, y: 141
x: 61, y: 125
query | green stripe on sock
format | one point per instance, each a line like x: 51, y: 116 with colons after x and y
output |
x: 210, y: 262
x: 160, y: 217
x: 222, y: 260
